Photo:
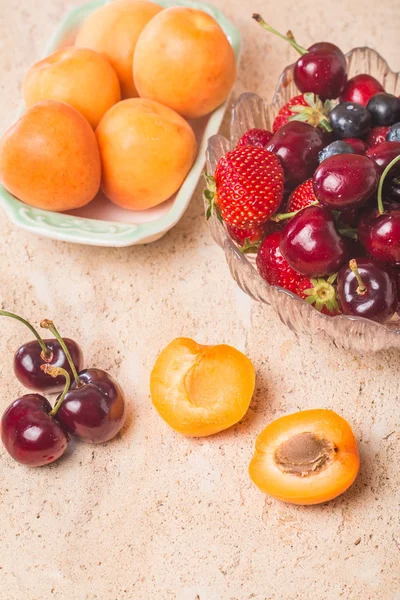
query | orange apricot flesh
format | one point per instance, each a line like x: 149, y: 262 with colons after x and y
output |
x: 308, y: 457
x: 201, y: 390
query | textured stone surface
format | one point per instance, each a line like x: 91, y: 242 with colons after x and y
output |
x: 153, y: 515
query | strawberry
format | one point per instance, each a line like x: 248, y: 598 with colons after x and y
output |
x: 249, y: 239
x: 306, y: 107
x: 255, y: 137
x: 302, y: 196
x: 247, y: 187
x: 320, y: 293
x: 273, y: 267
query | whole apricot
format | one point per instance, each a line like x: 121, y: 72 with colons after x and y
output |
x: 146, y: 151
x: 114, y: 30
x: 200, y: 390
x: 184, y: 60
x: 80, y: 77
x: 50, y: 159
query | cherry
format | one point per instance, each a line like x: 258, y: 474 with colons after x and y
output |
x: 345, y: 181
x: 255, y: 137
x: 376, y: 136
x: 359, y: 146
x: 311, y: 243
x: 94, y: 408
x: 321, y: 69
x: 297, y: 145
x: 384, y: 109
x: 366, y: 288
x: 29, y: 357
x: 350, y: 120
x: 382, y: 155
x: 360, y: 89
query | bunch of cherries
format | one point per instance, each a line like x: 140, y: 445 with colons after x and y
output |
x: 93, y: 408
x: 336, y: 238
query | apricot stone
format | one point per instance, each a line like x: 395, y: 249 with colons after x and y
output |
x: 184, y: 60
x: 80, y: 77
x: 114, y: 30
x: 146, y: 150
x: 50, y: 159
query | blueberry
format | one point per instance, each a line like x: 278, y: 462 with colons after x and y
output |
x: 393, y: 134
x: 349, y: 120
x: 337, y: 147
x: 384, y: 109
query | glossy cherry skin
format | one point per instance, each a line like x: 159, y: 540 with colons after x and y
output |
x: 28, y: 358
x: 297, y: 145
x: 345, y: 181
x: 359, y: 146
x: 321, y: 71
x: 29, y: 434
x: 380, y: 300
x: 380, y: 234
x: 311, y: 243
x: 376, y: 136
x: 96, y: 411
x: 360, y: 89
x: 382, y: 155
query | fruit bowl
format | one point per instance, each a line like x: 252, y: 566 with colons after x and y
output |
x: 102, y: 223
x: 251, y: 111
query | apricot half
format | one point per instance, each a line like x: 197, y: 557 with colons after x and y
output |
x: 184, y: 60
x: 114, y: 30
x: 78, y: 76
x: 308, y: 457
x: 200, y: 390
x: 50, y: 159
x: 146, y: 150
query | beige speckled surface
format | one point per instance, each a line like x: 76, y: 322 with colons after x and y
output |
x: 153, y: 515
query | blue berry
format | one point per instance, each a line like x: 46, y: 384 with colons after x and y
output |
x: 337, y: 147
x: 384, y: 109
x: 393, y: 134
x: 349, y: 120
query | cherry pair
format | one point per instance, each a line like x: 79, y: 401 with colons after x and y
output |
x: 92, y: 408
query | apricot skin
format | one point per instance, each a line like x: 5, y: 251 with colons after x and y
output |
x: 324, y: 485
x: 146, y: 150
x: 184, y: 60
x: 201, y: 390
x: 77, y: 76
x: 114, y: 30
x: 50, y: 159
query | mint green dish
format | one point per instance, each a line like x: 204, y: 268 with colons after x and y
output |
x: 101, y: 223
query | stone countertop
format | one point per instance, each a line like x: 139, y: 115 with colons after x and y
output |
x: 152, y: 515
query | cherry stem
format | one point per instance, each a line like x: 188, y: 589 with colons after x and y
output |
x: 283, y: 216
x: 56, y: 372
x: 47, y: 324
x: 46, y: 352
x: 361, y: 285
x: 381, y: 208
x: 288, y: 38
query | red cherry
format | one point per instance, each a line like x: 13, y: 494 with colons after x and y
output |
x: 360, y: 89
x: 359, y: 146
x: 322, y: 70
x: 255, y: 137
x: 380, y: 233
x: 383, y: 154
x: 377, y: 135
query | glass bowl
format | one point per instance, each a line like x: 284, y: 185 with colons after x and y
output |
x: 251, y: 111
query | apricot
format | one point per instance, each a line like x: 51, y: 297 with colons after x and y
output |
x: 50, y: 159
x: 146, y: 150
x: 78, y: 76
x: 114, y: 30
x: 184, y: 60
x: 308, y: 457
x: 201, y: 390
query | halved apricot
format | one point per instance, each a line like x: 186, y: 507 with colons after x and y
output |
x: 200, y: 390
x: 308, y: 457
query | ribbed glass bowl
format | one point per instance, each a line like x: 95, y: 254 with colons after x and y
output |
x: 252, y: 111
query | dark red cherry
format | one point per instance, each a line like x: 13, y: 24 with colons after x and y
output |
x: 29, y: 357
x: 359, y: 146
x: 95, y: 409
x: 376, y: 136
x: 345, y: 181
x: 368, y: 289
x: 380, y: 233
x: 29, y: 434
x: 382, y: 155
x: 360, y: 89
x: 297, y: 145
x: 322, y: 70
x: 311, y: 243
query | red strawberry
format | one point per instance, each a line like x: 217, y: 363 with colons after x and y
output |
x: 255, y: 137
x: 247, y: 187
x: 302, y: 196
x: 320, y: 293
x: 273, y: 267
x: 306, y: 107
x: 250, y: 239
x: 376, y: 136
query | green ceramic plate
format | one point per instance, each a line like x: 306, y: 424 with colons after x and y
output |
x: 101, y: 223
